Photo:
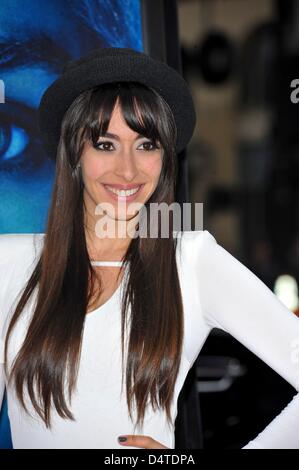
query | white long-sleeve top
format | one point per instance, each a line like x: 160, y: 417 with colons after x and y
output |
x: 217, y: 290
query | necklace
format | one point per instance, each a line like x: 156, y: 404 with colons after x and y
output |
x: 107, y: 263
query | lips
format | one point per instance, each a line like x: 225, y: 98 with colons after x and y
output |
x: 124, y: 186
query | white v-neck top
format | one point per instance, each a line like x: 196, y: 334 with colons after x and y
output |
x: 218, y: 291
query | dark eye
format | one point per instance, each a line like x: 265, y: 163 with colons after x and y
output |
x: 151, y: 144
x: 105, y: 143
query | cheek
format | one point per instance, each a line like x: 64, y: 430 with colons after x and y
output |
x: 152, y: 167
x: 94, y: 168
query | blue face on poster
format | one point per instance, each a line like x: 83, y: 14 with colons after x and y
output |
x: 36, y: 39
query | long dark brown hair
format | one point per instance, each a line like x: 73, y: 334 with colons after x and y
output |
x: 50, y: 352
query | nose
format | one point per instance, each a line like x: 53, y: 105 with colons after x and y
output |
x: 126, y: 166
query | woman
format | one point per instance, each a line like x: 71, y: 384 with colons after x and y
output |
x: 102, y: 348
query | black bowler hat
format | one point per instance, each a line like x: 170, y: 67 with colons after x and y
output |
x: 106, y: 65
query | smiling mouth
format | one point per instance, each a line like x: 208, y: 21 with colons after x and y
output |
x: 122, y: 194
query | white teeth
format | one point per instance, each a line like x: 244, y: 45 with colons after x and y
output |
x: 122, y: 192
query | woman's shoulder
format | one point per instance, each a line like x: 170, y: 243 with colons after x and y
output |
x: 192, y: 244
x: 17, y: 245
x: 191, y: 237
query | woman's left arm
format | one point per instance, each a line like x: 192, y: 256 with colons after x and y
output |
x: 235, y: 300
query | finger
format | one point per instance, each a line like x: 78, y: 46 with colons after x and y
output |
x: 144, y: 442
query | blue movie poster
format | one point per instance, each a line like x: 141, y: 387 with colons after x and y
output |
x: 36, y: 39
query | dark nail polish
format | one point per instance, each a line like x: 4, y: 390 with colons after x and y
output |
x: 122, y: 439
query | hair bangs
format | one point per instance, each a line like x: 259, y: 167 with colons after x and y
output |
x: 141, y: 108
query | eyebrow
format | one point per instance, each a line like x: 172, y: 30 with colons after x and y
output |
x: 116, y: 137
x: 15, y: 54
